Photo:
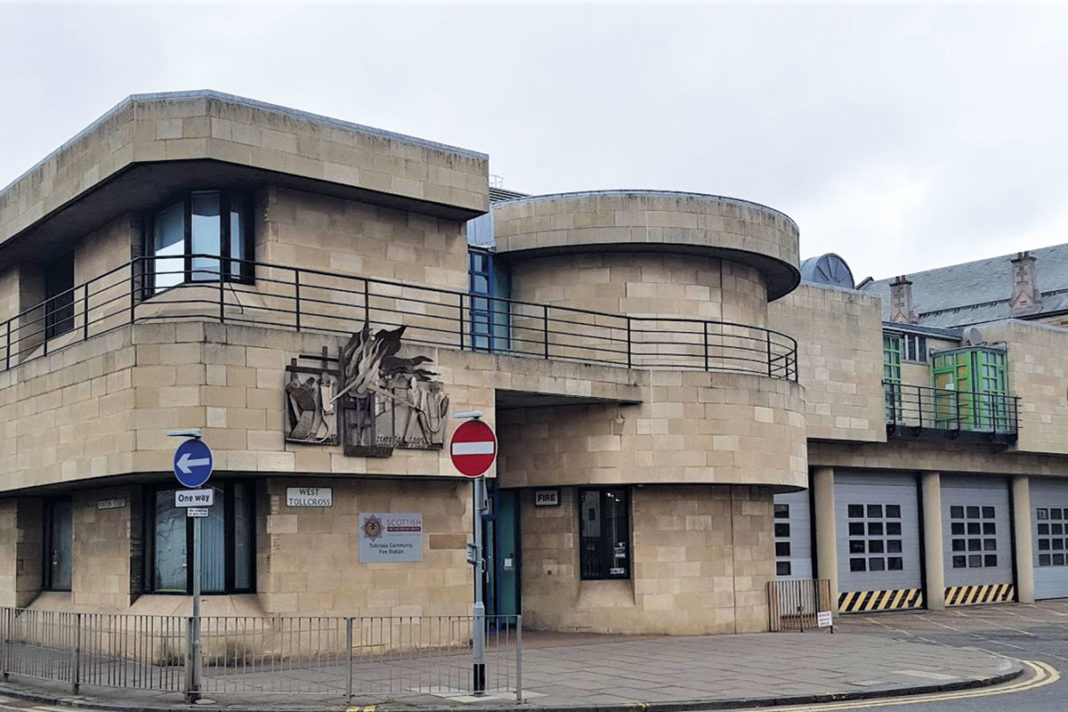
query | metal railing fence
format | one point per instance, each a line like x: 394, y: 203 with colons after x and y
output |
x: 328, y: 656
x: 794, y: 603
x: 145, y: 290
x: 951, y: 411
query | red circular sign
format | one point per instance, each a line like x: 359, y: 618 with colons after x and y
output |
x: 473, y: 447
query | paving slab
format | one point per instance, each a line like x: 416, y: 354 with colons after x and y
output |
x: 572, y: 673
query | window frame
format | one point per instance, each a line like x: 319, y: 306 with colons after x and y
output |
x: 229, y: 540
x: 914, y: 348
x: 605, y: 547
x: 227, y: 199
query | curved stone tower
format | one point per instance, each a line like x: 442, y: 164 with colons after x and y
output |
x: 720, y: 425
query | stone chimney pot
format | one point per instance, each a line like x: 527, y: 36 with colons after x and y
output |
x: 1025, y: 296
x: 901, y: 311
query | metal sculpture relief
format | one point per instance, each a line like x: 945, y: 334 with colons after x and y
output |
x: 311, y: 416
x: 385, y: 401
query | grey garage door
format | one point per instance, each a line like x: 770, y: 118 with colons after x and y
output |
x: 976, y: 540
x: 1049, y: 524
x: 793, y: 535
x: 878, y: 531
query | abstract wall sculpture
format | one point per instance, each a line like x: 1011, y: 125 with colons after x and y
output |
x: 384, y: 400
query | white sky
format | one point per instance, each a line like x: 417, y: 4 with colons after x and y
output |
x: 901, y: 136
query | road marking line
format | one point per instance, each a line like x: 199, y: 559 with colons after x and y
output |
x: 1043, y: 674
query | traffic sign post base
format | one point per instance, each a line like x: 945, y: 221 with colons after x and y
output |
x: 478, y: 673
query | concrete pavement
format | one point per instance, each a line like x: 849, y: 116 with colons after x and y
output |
x: 576, y: 672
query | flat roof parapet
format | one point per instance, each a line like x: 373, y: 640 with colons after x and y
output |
x: 261, y: 139
x: 653, y: 220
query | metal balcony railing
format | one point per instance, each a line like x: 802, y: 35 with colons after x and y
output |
x: 918, y: 410
x: 149, y: 289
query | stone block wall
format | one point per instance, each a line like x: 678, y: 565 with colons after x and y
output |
x: 840, y: 359
x: 102, y: 559
x: 21, y: 551
x: 692, y: 427
x: 701, y: 560
x: 636, y: 284
x: 1038, y: 374
x: 308, y: 557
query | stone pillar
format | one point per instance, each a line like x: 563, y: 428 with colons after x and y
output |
x: 1021, y: 529
x: 933, y: 559
x: 826, y: 541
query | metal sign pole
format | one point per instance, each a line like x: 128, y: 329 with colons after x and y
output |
x: 193, y: 693
x: 478, y: 634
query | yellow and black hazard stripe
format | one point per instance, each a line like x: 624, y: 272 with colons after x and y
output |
x: 980, y: 593
x: 894, y: 599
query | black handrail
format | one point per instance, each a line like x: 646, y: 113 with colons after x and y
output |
x: 951, y: 411
x: 316, y: 300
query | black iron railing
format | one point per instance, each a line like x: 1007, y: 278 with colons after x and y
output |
x: 913, y: 410
x: 142, y: 291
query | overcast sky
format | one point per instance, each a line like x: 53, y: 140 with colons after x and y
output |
x: 902, y: 136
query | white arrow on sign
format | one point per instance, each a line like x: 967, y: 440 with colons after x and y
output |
x: 186, y: 463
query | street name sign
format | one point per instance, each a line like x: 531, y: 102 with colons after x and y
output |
x: 473, y: 447
x: 192, y: 462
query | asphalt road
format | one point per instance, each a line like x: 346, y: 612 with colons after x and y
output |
x: 1036, y: 633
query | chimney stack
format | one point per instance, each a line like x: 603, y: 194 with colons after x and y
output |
x: 901, y: 311
x: 1026, y: 297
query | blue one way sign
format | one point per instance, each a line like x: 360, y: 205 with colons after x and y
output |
x: 192, y: 463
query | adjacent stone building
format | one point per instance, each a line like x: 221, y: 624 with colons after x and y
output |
x: 680, y: 418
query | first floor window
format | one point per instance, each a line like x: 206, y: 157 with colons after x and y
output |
x: 59, y: 297
x: 915, y: 347
x: 604, y: 533
x: 57, y: 544
x: 204, y: 236
x: 226, y: 542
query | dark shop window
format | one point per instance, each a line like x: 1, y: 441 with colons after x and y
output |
x: 604, y: 533
x: 227, y: 542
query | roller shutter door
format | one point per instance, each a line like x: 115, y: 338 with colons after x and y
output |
x: 977, y: 540
x: 793, y: 536
x: 1049, y: 526
x: 878, y: 530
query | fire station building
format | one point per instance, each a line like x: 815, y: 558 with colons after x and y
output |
x: 685, y: 411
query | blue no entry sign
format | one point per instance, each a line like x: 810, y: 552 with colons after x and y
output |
x: 192, y: 463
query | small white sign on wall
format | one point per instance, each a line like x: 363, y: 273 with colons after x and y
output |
x: 309, y: 497
x: 110, y: 503
x: 390, y: 537
x: 547, y: 498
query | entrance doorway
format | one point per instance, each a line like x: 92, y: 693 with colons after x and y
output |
x: 500, y: 532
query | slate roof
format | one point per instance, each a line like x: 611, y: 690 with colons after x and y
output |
x: 978, y: 292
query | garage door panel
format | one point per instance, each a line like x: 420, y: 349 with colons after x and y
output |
x: 976, y: 536
x: 793, y: 535
x: 1049, y: 530
x: 878, y: 526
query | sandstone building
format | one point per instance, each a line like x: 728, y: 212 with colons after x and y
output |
x: 681, y: 418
